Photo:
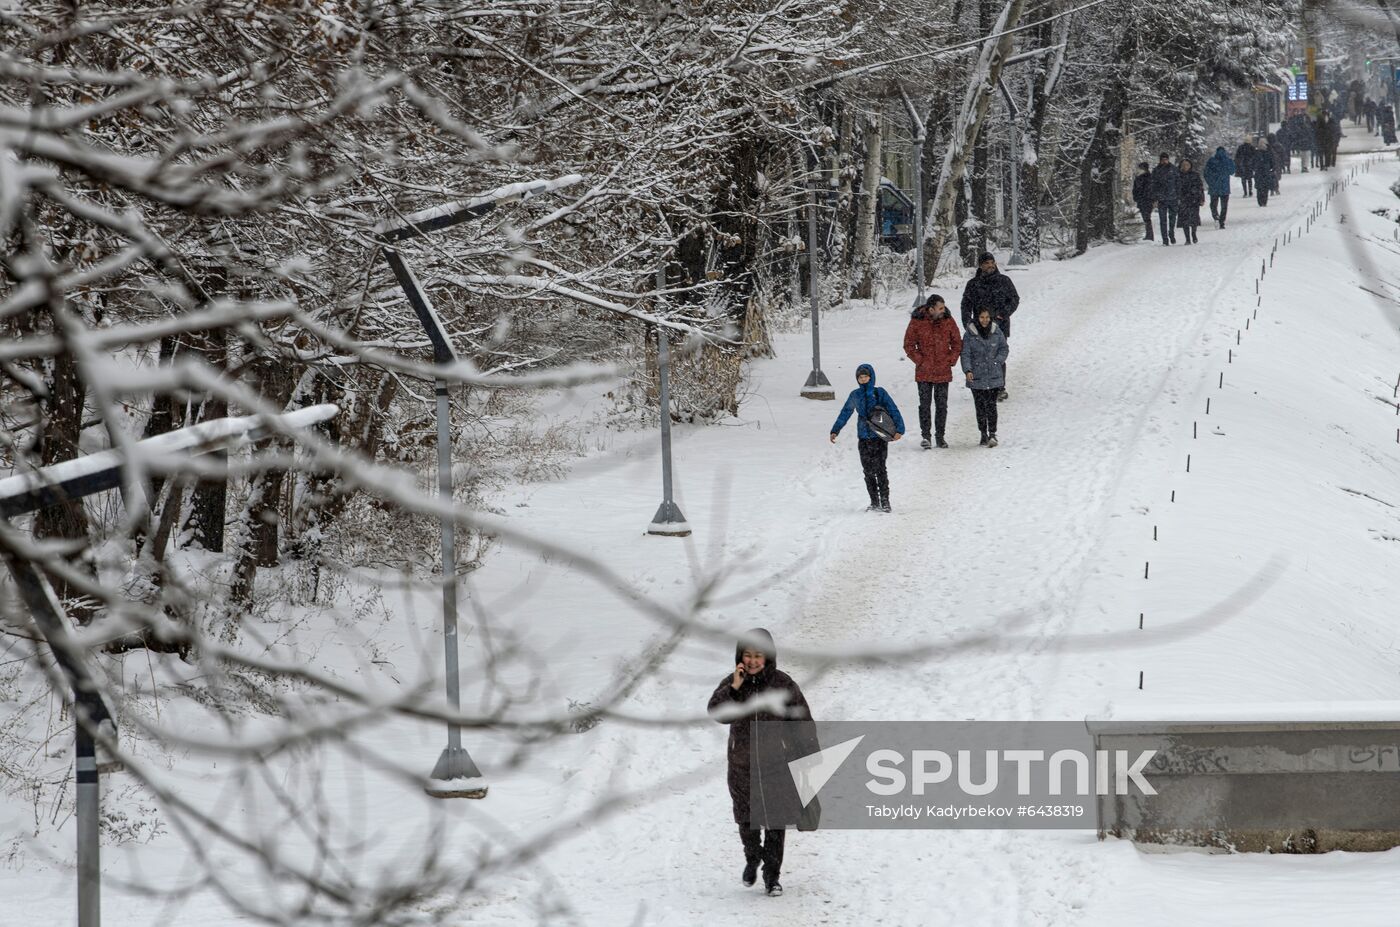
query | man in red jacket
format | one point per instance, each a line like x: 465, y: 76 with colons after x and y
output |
x: 934, y: 344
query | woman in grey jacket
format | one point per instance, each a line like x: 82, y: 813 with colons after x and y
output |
x: 983, y: 361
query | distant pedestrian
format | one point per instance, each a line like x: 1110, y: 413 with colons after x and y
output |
x: 1369, y: 107
x: 878, y: 422
x: 1334, y: 140
x: 1190, y: 197
x: 1263, y: 172
x: 1142, y: 197
x: 994, y: 290
x: 984, y: 363
x: 1300, y: 138
x: 1164, y: 193
x: 1244, y: 166
x: 1279, y: 153
x: 762, y: 742
x: 1219, y: 169
x: 932, y: 341
x: 1322, y: 136
x: 1385, y: 114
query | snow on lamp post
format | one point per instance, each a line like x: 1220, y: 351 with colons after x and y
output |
x: 817, y: 385
x: 71, y: 480
x: 668, y: 521
x: 455, y: 775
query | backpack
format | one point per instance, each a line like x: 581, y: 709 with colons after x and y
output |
x: 880, y: 422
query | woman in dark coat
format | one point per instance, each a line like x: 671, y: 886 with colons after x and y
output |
x: 761, y: 744
x: 1190, y: 196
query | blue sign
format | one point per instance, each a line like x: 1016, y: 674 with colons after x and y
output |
x: 1299, y: 90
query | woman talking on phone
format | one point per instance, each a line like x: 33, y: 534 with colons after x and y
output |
x: 760, y: 752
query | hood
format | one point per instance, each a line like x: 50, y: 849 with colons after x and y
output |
x: 922, y: 313
x: 757, y: 639
x: 863, y: 368
x: 1220, y: 152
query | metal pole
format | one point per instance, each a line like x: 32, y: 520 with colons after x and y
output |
x: 1015, y: 194
x: 919, y: 212
x: 449, y: 564
x: 89, y: 800
x: 668, y: 521
x: 817, y: 385
x: 89, y: 710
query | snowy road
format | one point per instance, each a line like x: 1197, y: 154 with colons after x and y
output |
x: 1041, y: 540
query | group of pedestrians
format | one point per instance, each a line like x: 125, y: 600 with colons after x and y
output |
x: 934, y: 342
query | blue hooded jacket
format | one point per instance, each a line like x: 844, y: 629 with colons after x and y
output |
x: 1219, y: 169
x: 863, y: 400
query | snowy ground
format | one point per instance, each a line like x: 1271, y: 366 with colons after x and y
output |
x: 1292, y: 495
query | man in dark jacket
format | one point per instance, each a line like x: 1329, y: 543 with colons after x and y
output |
x: 1334, y: 140
x: 873, y: 449
x: 761, y: 744
x: 991, y: 289
x: 1322, y: 137
x: 1279, y: 153
x: 1142, y: 197
x: 1263, y: 172
x: 1244, y: 166
x: 1369, y: 108
x: 932, y: 341
x: 1164, y: 193
x: 1219, y: 170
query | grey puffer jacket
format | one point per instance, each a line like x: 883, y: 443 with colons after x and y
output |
x: 985, y: 357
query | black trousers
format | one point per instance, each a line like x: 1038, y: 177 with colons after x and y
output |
x: 1261, y: 190
x: 938, y: 393
x: 1147, y: 219
x: 1248, y: 183
x: 1166, y: 216
x: 769, y: 851
x: 1219, y: 206
x: 873, y: 453
x: 985, y: 400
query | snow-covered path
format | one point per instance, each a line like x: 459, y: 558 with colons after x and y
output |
x: 1041, y: 540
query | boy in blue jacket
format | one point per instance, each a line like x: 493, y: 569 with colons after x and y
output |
x: 863, y: 401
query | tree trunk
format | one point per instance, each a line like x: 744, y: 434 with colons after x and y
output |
x: 867, y: 218
x: 210, y: 503
x: 1027, y: 160
x: 58, y: 441
x: 968, y: 128
x: 1098, y: 171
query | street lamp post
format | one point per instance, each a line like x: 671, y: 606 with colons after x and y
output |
x: 817, y: 385
x: 455, y: 775
x: 72, y: 480
x: 668, y: 521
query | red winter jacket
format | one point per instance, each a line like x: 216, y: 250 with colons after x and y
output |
x: 933, y: 346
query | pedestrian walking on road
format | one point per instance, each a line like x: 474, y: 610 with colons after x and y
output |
x: 992, y: 289
x: 1164, y: 177
x: 1369, y: 107
x: 1190, y: 197
x: 878, y: 423
x: 932, y: 341
x: 1244, y: 166
x: 1385, y: 114
x: 1263, y: 172
x: 1219, y: 169
x: 1142, y: 197
x: 984, y: 364
x: 762, y: 742
x: 1279, y: 153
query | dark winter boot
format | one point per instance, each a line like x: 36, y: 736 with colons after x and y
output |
x: 926, y: 444
x: 941, y: 442
x: 991, y: 440
x: 1002, y: 395
x: 774, y: 888
x: 983, y: 442
x: 750, y: 875
x: 885, y: 506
